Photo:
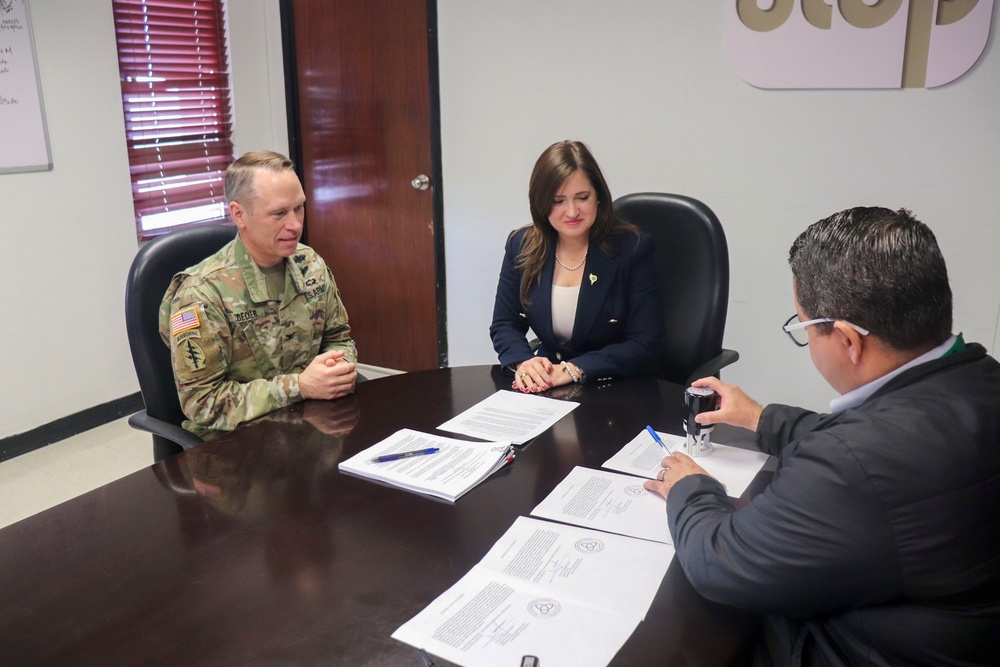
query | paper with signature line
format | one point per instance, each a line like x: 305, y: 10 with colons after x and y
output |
x: 485, y: 621
x: 567, y: 595
x: 733, y: 466
x: 588, y: 564
x: 607, y: 501
x: 509, y: 415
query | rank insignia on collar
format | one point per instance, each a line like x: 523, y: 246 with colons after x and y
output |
x: 299, y: 259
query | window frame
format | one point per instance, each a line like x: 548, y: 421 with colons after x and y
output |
x: 173, y: 61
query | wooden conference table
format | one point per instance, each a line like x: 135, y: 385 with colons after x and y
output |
x: 254, y: 550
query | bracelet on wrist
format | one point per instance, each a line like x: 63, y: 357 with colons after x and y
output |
x: 572, y: 373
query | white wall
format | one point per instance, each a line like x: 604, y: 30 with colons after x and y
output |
x: 258, y: 76
x: 647, y: 86
x: 68, y: 234
x: 644, y: 83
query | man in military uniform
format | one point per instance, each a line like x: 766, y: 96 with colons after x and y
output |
x: 260, y: 324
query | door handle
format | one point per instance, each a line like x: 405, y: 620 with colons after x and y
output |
x: 421, y: 182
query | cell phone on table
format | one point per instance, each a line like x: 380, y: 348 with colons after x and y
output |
x: 530, y: 661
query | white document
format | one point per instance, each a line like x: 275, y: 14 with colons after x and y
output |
x: 607, y: 501
x: 732, y: 466
x: 607, y: 570
x: 567, y: 595
x: 485, y: 621
x: 457, y: 467
x: 509, y: 415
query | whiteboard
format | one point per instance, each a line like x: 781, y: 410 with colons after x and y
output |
x: 24, y: 141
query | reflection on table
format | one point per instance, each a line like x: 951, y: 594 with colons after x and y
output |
x: 254, y: 549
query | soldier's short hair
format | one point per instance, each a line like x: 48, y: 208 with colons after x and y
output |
x: 241, y: 173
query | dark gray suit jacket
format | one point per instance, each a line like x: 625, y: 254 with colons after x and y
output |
x: 878, y: 542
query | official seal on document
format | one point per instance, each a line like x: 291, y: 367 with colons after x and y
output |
x: 589, y: 545
x: 544, y: 608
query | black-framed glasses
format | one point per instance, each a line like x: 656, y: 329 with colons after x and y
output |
x: 796, y: 330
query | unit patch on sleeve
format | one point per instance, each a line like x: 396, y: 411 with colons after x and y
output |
x: 184, y: 320
x: 191, y: 355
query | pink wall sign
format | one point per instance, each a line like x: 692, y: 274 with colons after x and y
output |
x: 855, y: 43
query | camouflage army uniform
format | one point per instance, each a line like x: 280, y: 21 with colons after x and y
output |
x: 236, y: 354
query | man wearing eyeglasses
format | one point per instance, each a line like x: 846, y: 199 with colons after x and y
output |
x: 878, y: 541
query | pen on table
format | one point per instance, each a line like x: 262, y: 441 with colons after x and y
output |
x: 405, y: 455
x: 656, y: 437
x: 426, y: 658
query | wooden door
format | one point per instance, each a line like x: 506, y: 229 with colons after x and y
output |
x: 363, y: 72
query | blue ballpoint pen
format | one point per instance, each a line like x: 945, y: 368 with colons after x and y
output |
x: 656, y: 437
x: 405, y: 455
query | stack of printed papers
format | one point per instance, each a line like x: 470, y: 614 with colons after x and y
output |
x: 570, y: 594
x: 454, y: 469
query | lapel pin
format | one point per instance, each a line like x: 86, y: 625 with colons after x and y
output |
x: 593, y: 279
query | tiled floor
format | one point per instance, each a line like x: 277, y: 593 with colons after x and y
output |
x: 55, y: 473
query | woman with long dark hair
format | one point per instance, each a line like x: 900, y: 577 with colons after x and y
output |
x: 579, y: 277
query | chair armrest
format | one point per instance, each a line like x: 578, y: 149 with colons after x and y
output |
x: 170, y: 475
x: 714, y: 365
x: 143, y: 422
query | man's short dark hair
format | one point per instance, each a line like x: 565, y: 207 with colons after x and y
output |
x: 878, y: 269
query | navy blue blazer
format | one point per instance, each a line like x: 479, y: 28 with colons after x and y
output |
x: 618, y: 331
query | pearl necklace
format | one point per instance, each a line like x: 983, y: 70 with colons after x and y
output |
x: 571, y: 268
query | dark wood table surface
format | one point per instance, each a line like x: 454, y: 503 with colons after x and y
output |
x: 253, y: 549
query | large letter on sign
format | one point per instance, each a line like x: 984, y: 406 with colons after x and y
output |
x: 764, y: 20
x: 860, y: 15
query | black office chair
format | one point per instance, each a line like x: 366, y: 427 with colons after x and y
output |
x: 693, y: 262
x: 153, y: 267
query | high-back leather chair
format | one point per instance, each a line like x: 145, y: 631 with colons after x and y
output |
x: 148, y: 278
x: 693, y: 263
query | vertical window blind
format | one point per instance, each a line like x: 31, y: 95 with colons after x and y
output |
x: 176, y: 98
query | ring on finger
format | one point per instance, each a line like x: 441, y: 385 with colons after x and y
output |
x: 523, y: 374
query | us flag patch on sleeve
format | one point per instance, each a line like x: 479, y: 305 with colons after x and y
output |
x: 184, y: 320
